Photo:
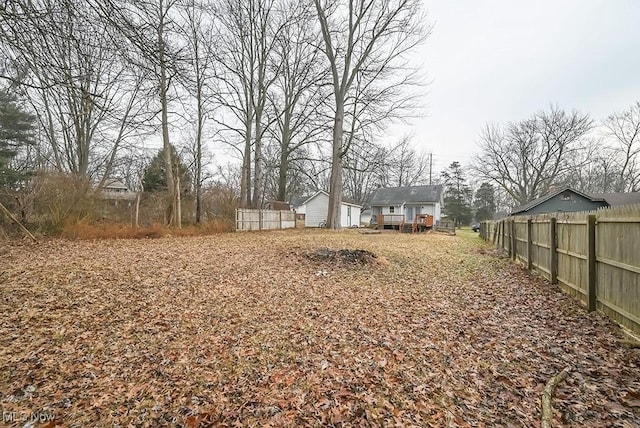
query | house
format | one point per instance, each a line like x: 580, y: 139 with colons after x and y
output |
x: 408, y: 202
x: 117, y: 190
x: 315, y: 208
x: 570, y: 200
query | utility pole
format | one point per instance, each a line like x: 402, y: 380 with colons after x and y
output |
x: 430, y: 166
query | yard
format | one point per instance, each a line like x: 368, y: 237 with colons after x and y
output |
x: 253, y: 329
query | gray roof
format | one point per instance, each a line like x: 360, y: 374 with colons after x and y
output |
x: 115, y: 184
x: 409, y: 194
x: 614, y: 199
x: 297, y: 201
x: 526, y: 207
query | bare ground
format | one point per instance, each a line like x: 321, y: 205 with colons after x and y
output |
x: 248, y: 330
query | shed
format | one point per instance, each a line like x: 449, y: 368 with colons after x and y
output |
x: 316, y: 206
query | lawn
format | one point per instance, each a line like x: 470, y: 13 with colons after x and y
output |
x: 255, y: 329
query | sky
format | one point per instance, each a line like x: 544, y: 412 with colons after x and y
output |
x: 494, y: 61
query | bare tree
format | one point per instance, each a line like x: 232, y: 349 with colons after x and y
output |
x: 365, y: 42
x: 526, y: 158
x: 62, y: 60
x: 364, y: 169
x: 146, y: 25
x: 624, y: 128
x: 248, y: 33
x: 198, y: 31
x: 298, y: 97
x: 405, y: 166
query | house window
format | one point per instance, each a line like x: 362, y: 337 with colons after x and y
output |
x: 566, y: 196
x: 392, y: 210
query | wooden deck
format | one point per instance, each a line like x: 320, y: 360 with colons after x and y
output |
x: 420, y: 223
x: 390, y: 221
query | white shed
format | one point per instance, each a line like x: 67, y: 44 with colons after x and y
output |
x: 316, y: 206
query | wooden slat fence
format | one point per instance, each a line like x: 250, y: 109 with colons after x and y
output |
x: 593, y: 256
x: 247, y: 220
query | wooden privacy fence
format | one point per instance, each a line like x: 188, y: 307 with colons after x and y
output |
x: 594, y: 256
x: 247, y: 219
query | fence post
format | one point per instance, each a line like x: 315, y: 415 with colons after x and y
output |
x: 591, y: 262
x: 504, y: 234
x: 514, y: 241
x: 280, y: 218
x: 553, y: 250
x: 510, y: 241
x: 529, y: 243
x: 495, y: 231
x: 259, y: 219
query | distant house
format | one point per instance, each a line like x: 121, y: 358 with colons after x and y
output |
x: 117, y: 190
x: 408, y: 201
x: 570, y: 200
x: 315, y: 208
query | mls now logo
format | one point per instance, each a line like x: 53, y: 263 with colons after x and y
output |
x: 27, y: 417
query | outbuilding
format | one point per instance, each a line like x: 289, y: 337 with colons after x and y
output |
x: 316, y: 206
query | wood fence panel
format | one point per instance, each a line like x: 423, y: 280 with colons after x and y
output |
x: 560, y: 247
x: 572, y: 248
x: 248, y: 220
x: 541, y: 245
x: 520, y: 240
x: 618, y: 264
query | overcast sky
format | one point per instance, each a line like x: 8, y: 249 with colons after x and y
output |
x: 502, y: 60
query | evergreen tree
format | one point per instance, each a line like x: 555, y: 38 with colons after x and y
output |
x: 457, y: 195
x: 16, y: 131
x: 485, y: 203
x: 155, y: 177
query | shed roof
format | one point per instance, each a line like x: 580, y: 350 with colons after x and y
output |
x: 408, y: 194
x: 301, y: 200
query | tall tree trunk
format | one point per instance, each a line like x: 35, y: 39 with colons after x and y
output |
x: 178, y: 201
x: 245, y: 179
x: 198, y: 180
x: 284, y: 157
x: 257, y: 168
x: 166, y: 144
x: 282, y: 175
x: 335, y: 181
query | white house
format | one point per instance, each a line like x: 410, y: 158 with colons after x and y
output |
x: 408, y: 201
x: 316, y: 206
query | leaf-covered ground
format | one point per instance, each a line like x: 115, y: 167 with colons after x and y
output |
x: 248, y: 330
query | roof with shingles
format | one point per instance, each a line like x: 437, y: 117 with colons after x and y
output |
x: 301, y: 200
x: 611, y: 199
x: 408, y: 194
x: 526, y: 207
x: 614, y: 199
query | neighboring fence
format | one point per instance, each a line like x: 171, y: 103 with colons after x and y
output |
x: 448, y: 226
x: 594, y: 256
x: 264, y: 219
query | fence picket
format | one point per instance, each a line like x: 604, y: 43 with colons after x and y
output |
x: 594, y: 256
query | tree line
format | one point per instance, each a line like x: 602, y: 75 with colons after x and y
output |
x: 523, y: 160
x: 298, y: 92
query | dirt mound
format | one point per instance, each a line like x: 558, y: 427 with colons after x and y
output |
x: 344, y: 256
